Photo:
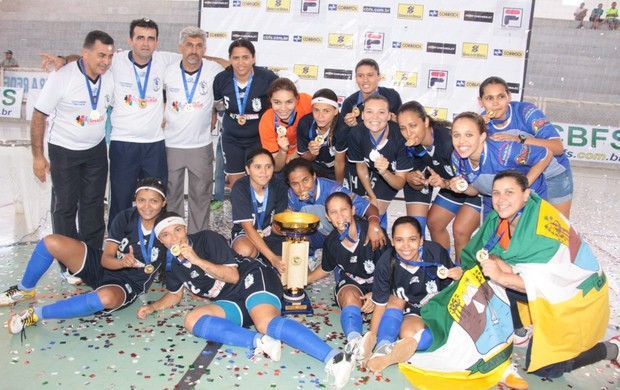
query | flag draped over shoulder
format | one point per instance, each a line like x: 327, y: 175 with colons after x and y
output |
x: 566, y: 287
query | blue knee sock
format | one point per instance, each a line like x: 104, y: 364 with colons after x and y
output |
x: 422, y: 221
x: 39, y: 263
x: 424, y: 339
x: 224, y: 331
x: 77, y: 306
x: 299, y: 337
x: 389, y: 326
x: 351, y: 321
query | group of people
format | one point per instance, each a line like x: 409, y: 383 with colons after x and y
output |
x: 346, y: 166
x: 598, y: 16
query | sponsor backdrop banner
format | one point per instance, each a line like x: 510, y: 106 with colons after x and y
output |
x: 590, y: 143
x: 11, y: 102
x: 433, y: 51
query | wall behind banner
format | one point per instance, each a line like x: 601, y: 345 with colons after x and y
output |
x: 433, y: 51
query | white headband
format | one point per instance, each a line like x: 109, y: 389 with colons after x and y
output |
x: 152, y: 189
x: 161, y: 225
x: 324, y: 100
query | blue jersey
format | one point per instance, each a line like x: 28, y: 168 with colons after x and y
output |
x: 414, y: 285
x: 124, y: 232
x: 438, y: 157
x: 335, y: 142
x: 210, y: 246
x: 357, y: 263
x: 322, y: 189
x: 243, y: 207
x: 256, y: 103
x: 391, y: 94
x: 527, y: 119
x: 496, y: 157
x: 391, y: 147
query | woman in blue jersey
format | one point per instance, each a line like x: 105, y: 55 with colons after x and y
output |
x: 322, y: 136
x: 377, y: 148
x: 525, y: 123
x: 255, y: 199
x: 353, y: 265
x: 243, y: 292
x: 241, y: 92
x: 308, y: 194
x: 429, y: 143
x: 477, y: 159
x: 119, y: 273
x: 406, y: 277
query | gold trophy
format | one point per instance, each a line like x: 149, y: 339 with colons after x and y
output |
x: 295, y: 250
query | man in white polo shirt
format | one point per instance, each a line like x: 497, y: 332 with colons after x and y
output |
x: 75, y: 99
x: 188, y: 115
x: 137, y: 148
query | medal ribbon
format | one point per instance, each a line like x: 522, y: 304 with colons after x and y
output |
x: 325, y: 136
x: 420, y: 263
x: 141, y: 88
x: 361, y: 100
x: 146, y: 252
x: 378, y: 141
x: 291, y: 120
x: 345, y: 235
x: 260, y: 214
x: 170, y: 256
x: 469, y: 174
x: 94, y: 99
x: 190, y: 96
x: 242, y: 103
x: 498, y: 237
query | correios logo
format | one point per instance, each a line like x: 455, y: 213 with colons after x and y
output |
x: 307, y: 39
x: 217, y: 34
x: 407, y: 45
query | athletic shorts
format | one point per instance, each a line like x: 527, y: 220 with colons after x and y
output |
x: 416, y: 196
x: 343, y: 280
x: 452, y: 201
x: 261, y: 284
x: 560, y: 188
x: 235, y: 153
x: 134, y: 282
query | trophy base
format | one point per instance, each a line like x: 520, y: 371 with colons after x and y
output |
x: 298, y: 303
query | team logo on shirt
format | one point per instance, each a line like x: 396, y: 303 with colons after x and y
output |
x: 204, y: 87
x: 522, y: 157
x: 128, y: 100
x: 194, y: 274
x: 248, y: 281
x: 176, y: 106
x: 256, y: 104
x: 410, y: 11
x: 80, y: 120
x: 154, y: 255
x: 353, y: 259
x: 414, y: 279
x: 537, y: 125
x: 369, y: 266
x: 156, y: 84
x: 431, y: 287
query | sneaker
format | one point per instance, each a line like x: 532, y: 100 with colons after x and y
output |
x: 14, y: 294
x: 74, y: 280
x: 340, y: 366
x: 389, y: 354
x: 361, y: 347
x: 615, y: 340
x: 18, y: 322
x: 270, y: 346
x: 512, y: 379
x: 216, y: 204
x: 521, y: 341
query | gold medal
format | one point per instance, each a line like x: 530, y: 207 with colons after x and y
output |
x: 491, y: 114
x: 304, y: 196
x: 241, y: 119
x: 188, y: 107
x: 95, y: 115
x: 356, y: 111
x: 461, y: 185
x: 319, y: 140
x: 260, y: 233
x: 442, y: 272
x: 175, y: 250
x: 482, y: 255
x: 149, y: 268
x: 281, y: 130
x: 142, y: 103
